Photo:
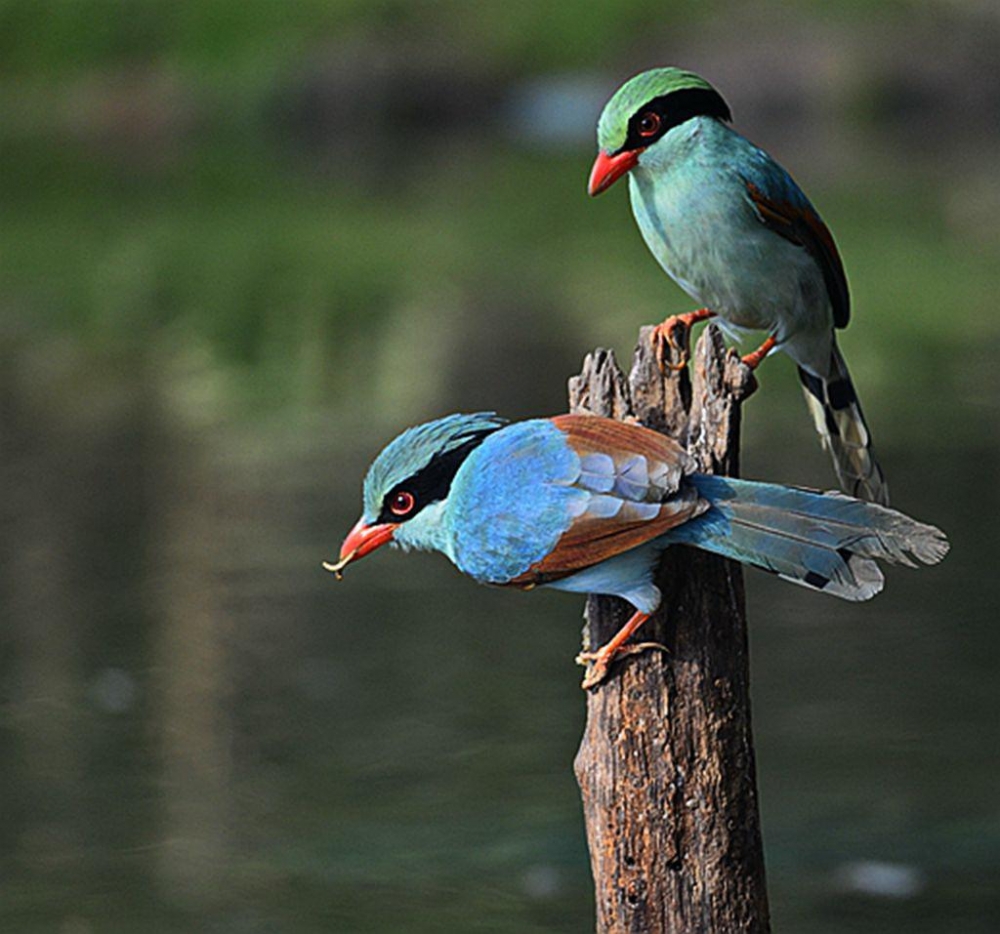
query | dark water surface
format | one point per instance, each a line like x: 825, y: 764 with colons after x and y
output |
x: 203, y: 731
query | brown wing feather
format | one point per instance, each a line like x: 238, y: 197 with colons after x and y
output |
x: 591, y: 434
x: 590, y: 540
x: 804, y: 228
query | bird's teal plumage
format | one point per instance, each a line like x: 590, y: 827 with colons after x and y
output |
x: 732, y: 228
x: 689, y: 198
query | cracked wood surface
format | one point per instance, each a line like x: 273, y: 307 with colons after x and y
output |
x: 666, y: 764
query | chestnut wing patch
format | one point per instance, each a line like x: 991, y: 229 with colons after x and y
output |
x: 801, y: 225
x: 633, y: 478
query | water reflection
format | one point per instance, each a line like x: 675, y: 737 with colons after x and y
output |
x: 201, y: 725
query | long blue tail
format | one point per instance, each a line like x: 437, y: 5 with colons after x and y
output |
x: 826, y: 541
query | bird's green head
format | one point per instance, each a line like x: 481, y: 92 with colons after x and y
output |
x: 643, y: 110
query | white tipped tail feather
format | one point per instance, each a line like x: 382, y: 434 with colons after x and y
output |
x: 843, y: 432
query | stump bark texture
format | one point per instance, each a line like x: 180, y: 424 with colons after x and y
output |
x: 666, y: 765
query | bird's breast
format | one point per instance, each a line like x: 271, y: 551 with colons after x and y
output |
x: 701, y: 228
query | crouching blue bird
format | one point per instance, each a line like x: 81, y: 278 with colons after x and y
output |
x: 734, y: 230
x: 587, y: 504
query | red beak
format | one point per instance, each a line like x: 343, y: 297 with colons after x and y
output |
x: 608, y: 169
x: 361, y: 540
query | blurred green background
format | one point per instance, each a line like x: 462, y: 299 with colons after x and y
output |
x: 244, y: 242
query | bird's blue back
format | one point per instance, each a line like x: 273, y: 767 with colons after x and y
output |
x: 512, y: 500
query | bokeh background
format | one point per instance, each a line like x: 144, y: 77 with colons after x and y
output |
x: 242, y: 244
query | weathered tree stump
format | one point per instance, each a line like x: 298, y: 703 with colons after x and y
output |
x: 666, y: 764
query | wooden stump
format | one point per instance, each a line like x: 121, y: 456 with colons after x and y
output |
x: 666, y: 765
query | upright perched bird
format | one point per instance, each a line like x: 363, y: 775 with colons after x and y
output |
x: 731, y: 228
x: 587, y: 504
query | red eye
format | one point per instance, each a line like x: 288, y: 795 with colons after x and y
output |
x: 402, y: 503
x: 649, y: 124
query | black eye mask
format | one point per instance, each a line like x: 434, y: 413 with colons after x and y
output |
x: 432, y: 482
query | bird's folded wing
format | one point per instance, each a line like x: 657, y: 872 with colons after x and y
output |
x: 666, y: 462
x: 630, y: 479
x: 790, y: 215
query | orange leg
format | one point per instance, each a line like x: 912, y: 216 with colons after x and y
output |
x: 664, y: 340
x: 614, y: 648
x: 753, y: 360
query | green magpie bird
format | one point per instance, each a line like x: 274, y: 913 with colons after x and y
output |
x: 732, y: 228
x: 588, y: 504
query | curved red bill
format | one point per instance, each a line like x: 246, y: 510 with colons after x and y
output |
x: 608, y: 169
x: 360, y: 541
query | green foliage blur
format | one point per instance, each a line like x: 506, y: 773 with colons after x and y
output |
x: 262, y: 187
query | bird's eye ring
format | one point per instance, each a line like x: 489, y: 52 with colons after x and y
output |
x: 402, y: 503
x: 649, y: 123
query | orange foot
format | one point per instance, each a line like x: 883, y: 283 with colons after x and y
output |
x: 753, y: 360
x: 601, y: 659
x: 665, y: 341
